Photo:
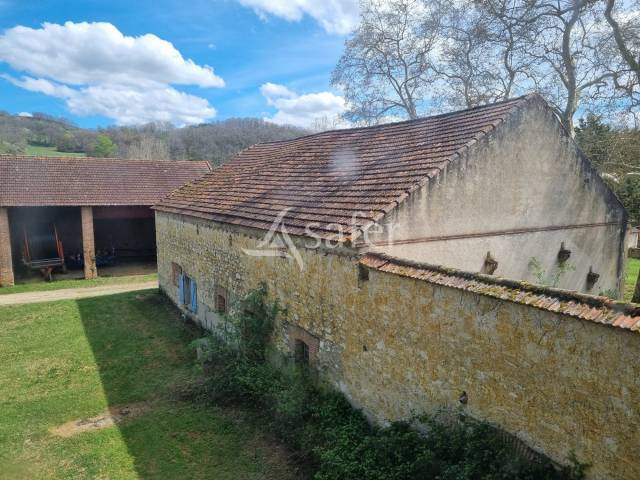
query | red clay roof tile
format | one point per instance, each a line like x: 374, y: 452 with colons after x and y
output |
x: 64, y: 181
x: 331, y: 176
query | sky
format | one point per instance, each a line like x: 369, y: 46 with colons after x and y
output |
x: 101, y: 63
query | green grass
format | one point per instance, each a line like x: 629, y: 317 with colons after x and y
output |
x: 633, y: 267
x: 37, y: 285
x: 49, y: 152
x: 69, y: 360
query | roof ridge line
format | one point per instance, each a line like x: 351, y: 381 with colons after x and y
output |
x: 524, y: 97
x: 111, y: 159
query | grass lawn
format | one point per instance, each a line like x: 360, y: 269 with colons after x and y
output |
x: 37, y: 285
x: 633, y: 267
x: 71, y: 360
x: 49, y: 152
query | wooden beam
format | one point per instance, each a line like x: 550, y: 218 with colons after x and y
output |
x: 88, y: 243
x: 6, y: 259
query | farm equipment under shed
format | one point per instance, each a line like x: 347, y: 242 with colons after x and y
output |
x: 43, y: 252
x: 104, y: 258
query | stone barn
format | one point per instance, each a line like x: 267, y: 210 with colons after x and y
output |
x: 407, y: 255
x: 500, y: 189
x: 80, y: 209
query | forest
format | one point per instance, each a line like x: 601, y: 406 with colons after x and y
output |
x: 215, y: 142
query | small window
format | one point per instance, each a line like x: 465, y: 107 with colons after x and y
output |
x: 301, y: 352
x: 176, y: 270
x: 221, y: 299
x: 221, y: 304
x: 363, y: 274
x: 303, y: 345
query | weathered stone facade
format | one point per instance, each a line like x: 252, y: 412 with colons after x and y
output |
x: 397, y: 346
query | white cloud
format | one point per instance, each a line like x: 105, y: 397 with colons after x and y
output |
x: 41, y: 85
x: 127, y: 105
x: 100, y: 71
x: 131, y: 106
x: 90, y: 53
x: 311, y: 110
x: 25, y: 114
x: 335, y: 16
x: 272, y: 92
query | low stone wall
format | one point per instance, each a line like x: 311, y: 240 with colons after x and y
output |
x: 398, y: 346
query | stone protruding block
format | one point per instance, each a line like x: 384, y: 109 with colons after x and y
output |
x: 6, y: 261
x: 88, y: 243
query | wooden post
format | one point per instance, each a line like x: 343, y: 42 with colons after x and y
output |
x: 88, y: 243
x: 6, y: 260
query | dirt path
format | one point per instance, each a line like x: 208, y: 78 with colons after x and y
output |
x: 73, y: 293
x: 113, y: 416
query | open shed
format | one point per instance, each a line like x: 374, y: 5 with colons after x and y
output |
x: 84, y: 212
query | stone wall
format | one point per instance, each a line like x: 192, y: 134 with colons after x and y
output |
x: 398, y: 346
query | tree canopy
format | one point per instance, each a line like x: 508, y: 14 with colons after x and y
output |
x: 615, y: 152
x: 215, y: 142
x: 409, y: 58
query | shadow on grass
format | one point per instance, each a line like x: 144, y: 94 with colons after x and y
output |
x: 140, y: 345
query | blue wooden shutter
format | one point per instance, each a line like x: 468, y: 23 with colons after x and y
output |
x: 181, y: 288
x: 194, y: 296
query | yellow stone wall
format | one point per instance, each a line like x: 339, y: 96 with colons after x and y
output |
x: 397, y: 346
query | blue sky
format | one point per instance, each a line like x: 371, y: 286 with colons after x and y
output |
x: 274, y: 57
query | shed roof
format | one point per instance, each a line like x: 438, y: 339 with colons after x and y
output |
x: 72, y: 181
x: 336, y: 181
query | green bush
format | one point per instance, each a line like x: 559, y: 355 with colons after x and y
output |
x: 331, y: 439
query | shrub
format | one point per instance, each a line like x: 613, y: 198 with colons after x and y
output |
x: 331, y: 439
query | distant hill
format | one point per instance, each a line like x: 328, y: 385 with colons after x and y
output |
x: 17, y: 133
x: 42, y: 134
x: 215, y: 142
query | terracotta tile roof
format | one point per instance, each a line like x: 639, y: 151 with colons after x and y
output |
x: 65, y: 181
x: 330, y: 177
x: 586, y: 307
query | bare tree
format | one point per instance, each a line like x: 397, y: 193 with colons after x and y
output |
x: 562, y: 43
x: 557, y: 47
x: 624, y: 21
x: 325, y: 123
x: 386, y: 67
x: 484, y: 56
x: 406, y: 55
x: 469, y: 81
x: 147, y: 148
